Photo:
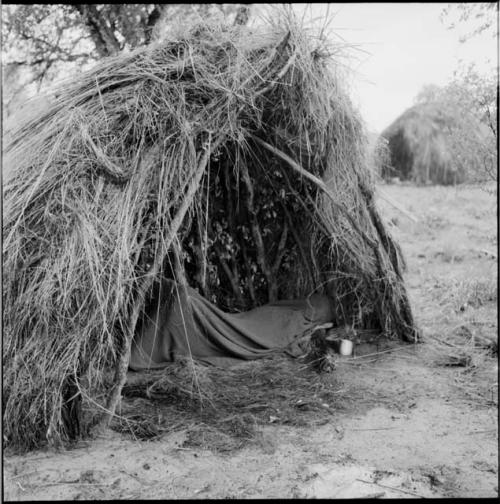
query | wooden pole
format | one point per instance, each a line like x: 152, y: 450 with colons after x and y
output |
x: 120, y: 375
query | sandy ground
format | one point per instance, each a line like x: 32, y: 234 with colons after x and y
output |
x: 405, y: 428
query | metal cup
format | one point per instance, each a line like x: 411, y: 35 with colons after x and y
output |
x: 346, y: 347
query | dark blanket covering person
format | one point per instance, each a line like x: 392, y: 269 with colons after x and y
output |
x: 191, y: 325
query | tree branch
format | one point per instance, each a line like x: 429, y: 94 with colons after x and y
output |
x: 298, y: 241
x: 242, y: 15
x: 153, y: 18
x: 121, y: 366
x: 201, y: 255
x: 104, y: 39
x: 257, y: 235
x: 281, y: 248
x: 248, y: 267
x: 490, y: 122
x: 230, y: 211
x: 234, y: 281
x: 319, y: 183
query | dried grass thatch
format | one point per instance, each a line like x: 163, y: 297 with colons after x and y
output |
x: 133, y: 166
x: 418, y: 147
x: 422, y: 149
x: 232, y: 401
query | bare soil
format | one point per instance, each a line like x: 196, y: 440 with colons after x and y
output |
x: 406, y: 425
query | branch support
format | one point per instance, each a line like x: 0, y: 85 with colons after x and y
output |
x: 121, y: 366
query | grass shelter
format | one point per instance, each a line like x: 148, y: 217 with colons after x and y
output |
x: 420, y: 148
x: 228, y: 158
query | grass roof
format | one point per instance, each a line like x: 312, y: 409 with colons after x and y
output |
x: 132, y: 158
x: 423, y: 146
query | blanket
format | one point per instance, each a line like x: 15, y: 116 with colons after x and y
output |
x: 191, y: 325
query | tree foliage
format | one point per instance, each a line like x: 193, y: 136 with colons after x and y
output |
x: 480, y: 16
x: 472, y: 95
x: 42, y: 43
x: 471, y: 98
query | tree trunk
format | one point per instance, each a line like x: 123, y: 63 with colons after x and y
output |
x: 242, y: 15
x: 256, y: 233
x: 104, y: 39
x: 153, y: 18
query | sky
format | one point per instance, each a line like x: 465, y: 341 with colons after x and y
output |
x: 399, y: 47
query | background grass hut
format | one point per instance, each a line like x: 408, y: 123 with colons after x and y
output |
x: 229, y: 158
x: 420, y: 149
